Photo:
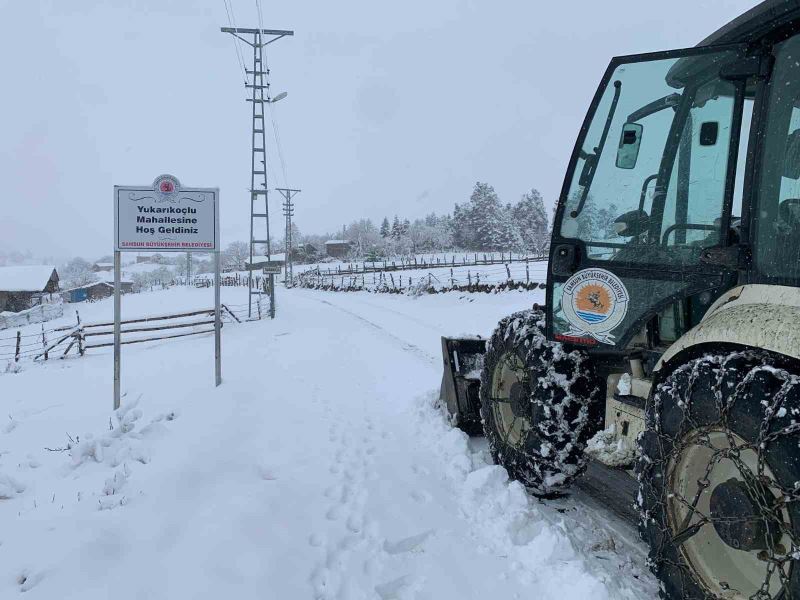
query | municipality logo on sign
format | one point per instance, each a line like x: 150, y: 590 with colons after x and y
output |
x: 594, y: 302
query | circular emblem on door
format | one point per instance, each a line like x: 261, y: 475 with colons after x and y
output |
x: 594, y: 302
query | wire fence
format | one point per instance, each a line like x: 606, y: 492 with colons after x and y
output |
x: 492, y: 279
x: 57, y: 342
x: 416, y: 263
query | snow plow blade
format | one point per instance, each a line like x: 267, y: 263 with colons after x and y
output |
x: 461, y: 381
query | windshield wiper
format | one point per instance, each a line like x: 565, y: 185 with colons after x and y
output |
x: 590, y: 166
x: 670, y: 101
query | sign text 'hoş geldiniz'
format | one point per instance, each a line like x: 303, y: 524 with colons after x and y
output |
x: 165, y: 217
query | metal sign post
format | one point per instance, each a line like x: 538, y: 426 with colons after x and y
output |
x: 165, y: 217
x: 270, y: 269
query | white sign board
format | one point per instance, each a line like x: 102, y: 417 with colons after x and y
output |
x: 165, y: 217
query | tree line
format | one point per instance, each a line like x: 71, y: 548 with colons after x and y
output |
x: 482, y: 223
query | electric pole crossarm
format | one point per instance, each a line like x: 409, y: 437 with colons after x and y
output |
x: 248, y: 30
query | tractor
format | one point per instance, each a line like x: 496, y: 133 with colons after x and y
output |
x: 666, y: 356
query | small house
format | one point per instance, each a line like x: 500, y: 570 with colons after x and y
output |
x: 101, y: 267
x: 95, y: 291
x: 24, y: 286
x: 337, y: 248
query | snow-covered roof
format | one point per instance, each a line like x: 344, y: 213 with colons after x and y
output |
x: 336, y: 242
x: 29, y: 278
x: 257, y: 260
x: 108, y: 277
x: 144, y: 267
x: 104, y: 264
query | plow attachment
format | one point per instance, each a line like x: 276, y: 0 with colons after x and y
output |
x: 461, y: 381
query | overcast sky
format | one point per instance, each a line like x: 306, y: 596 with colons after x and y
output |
x: 393, y: 107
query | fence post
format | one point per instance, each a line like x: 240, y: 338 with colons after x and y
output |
x: 392, y: 278
x: 452, y: 279
x: 258, y: 305
x: 527, y: 272
x: 19, y: 341
x: 44, y: 342
x: 81, y: 340
x: 469, y: 278
x: 508, y: 272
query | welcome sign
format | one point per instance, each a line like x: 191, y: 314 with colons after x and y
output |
x: 165, y: 217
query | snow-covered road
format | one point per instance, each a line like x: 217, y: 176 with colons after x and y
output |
x: 319, y: 469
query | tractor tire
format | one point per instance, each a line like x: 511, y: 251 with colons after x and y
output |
x: 719, y: 478
x: 539, y: 404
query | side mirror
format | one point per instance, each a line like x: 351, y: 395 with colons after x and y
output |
x: 629, y: 142
x: 631, y: 223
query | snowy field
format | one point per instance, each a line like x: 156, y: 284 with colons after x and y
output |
x: 320, y: 469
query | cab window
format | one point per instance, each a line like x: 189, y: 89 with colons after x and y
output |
x: 777, y: 217
x: 649, y: 183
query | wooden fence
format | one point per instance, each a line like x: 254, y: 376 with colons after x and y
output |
x: 59, y: 341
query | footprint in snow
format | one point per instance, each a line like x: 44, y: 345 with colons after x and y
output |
x: 421, y: 496
x: 407, y: 544
x: 398, y: 589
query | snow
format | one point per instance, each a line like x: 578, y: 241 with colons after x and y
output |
x: 611, y: 449
x: 108, y: 277
x: 322, y: 467
x: 29, y: 278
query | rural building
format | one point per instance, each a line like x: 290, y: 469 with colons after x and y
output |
x: 155, y: 259
x: 24, y: 286
x: 102, y: 266
x: 95, y: 291
x: 337, y: 248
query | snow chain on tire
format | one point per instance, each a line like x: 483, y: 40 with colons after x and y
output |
x: 719, y: 478
x: 538, y: 426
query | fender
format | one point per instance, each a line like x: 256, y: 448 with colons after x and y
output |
x: 756, y: 315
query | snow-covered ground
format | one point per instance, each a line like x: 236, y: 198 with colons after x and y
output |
x: 321, y: 468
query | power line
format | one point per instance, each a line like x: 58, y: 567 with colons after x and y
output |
x: 236, y: 43
x: 271, y: 111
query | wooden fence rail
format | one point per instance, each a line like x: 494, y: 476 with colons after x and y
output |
x: 37, y: 346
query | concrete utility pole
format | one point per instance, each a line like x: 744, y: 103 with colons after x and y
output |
x: 257, y: 39
x: 288, y: 212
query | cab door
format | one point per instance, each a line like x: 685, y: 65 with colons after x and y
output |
x: 644, y: 217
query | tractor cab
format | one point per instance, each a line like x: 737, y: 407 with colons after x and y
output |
x: 684, y: 183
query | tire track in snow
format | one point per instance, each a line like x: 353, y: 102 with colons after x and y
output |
x: 408, y: 346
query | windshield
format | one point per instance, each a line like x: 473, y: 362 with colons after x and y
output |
x: 650, y: 179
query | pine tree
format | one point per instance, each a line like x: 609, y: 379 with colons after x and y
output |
x: 397, y: 228
x: 385, y: 231
x: 530, y: 220
x: 485, y: 217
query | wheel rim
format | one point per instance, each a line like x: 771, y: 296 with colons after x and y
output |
x: 510, y: 395
x: 709, y: 515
